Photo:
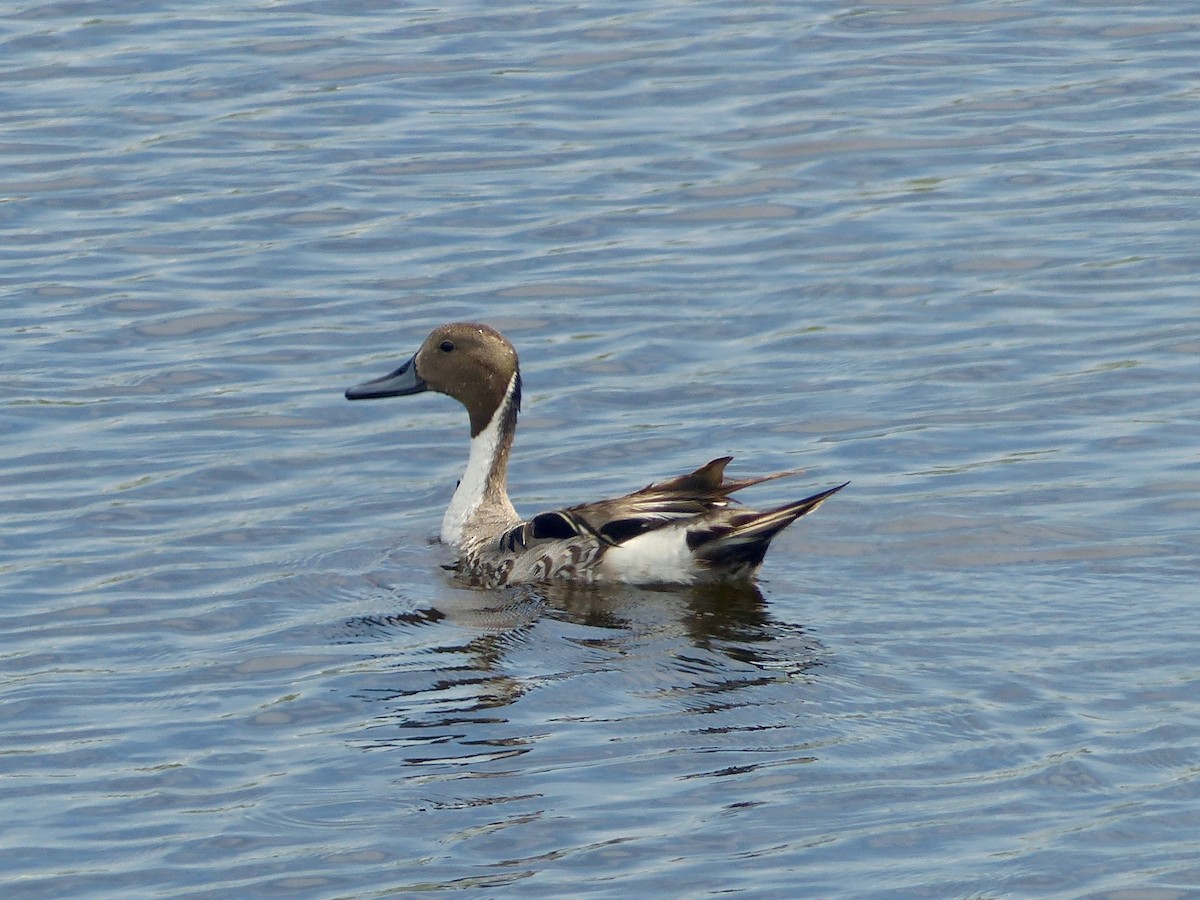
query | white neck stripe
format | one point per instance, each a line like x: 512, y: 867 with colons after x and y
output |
x: 480, y: 463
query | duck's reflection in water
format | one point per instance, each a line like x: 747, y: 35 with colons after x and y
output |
x: 465, y: 663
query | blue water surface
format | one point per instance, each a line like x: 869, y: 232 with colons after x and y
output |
x: 946, y: 251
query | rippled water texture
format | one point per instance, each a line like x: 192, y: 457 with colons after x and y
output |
x: 947, y: 251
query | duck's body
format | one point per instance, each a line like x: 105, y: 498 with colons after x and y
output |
x: 679, y: 531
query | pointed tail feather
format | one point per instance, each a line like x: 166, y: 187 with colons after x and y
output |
x: 740, y: 545
x: 790, y: 512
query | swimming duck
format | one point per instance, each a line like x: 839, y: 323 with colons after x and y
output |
x: 680, y: 531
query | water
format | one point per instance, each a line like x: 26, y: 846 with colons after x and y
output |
x: 946, y: 251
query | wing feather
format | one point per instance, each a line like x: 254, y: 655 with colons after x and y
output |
x: 613, y: 522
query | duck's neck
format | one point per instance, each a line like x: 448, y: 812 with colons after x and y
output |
x: 481, y: 499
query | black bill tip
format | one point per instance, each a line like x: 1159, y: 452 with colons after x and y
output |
x: 399, y: 383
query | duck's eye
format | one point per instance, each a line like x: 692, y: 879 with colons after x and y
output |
x: 447, y: 346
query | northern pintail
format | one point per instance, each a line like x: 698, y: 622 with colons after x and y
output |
x: 680, y: 531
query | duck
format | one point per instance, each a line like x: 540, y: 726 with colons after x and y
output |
x: 684, y: 530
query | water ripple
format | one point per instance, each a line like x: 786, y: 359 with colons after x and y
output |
x: 945, y: 251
